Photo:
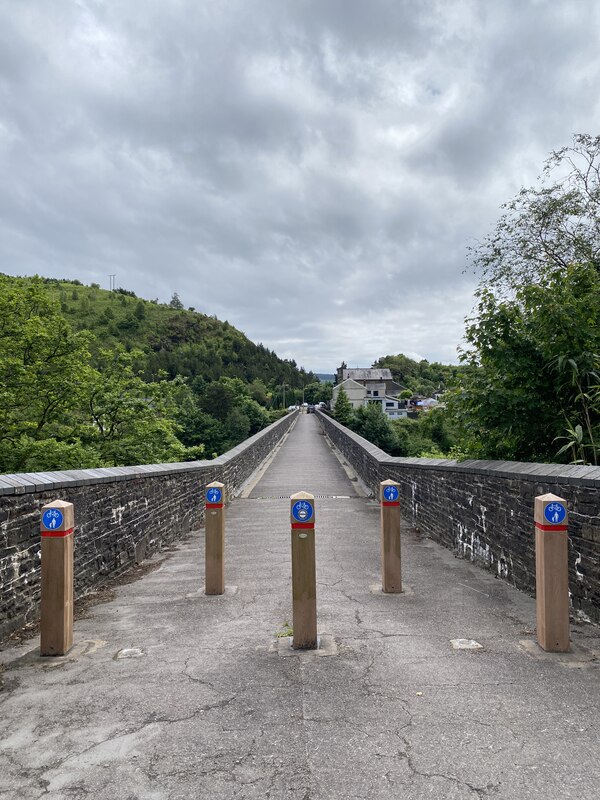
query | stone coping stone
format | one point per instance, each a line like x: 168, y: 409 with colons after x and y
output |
x: 570, y: 474
x: 30, y: 482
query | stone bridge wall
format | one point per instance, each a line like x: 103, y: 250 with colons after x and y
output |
x: 483, y: 510
x: 122, y: 515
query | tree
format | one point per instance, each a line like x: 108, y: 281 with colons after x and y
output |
x: 533, y: 344
x: 436, y: 425
x: 534, y: 368
x: 421, y: 377
x: 550, y: 226
x: 342, y: 410
x: 371, y: 422
x: 44, y: 373
x: 134, y: 422
x: 218, y: 399
x: 175, y: 302
x: 410, y: 439
x: 318, y: 392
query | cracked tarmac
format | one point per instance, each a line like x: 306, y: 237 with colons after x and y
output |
x: 207, y: 708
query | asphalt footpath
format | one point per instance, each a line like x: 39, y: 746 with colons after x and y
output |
x: 438, y: 692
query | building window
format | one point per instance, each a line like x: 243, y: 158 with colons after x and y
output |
x: 375, y: 394
x: 389, y: 405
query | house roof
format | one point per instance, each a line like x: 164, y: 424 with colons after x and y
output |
x: 367, y: 374
x: 394, y: 386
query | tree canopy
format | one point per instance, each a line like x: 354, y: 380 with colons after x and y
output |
x: 549, y: 226
x: 94, y: 378
x: 531, y: 389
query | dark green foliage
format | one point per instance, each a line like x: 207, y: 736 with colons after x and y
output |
x: 420, y: 377
x: 437, y: 426
x: 318, y: 392
x: 411, y: 441
x: 534, y: 367
x: 550, y: 226
x: 532, y: 388
x: 342, y: 409
x: 371, y: 422
x: 115, y: 392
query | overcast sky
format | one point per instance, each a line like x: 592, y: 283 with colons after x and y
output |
x: 310, y: 170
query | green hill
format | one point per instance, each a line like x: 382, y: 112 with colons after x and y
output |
x: 176, y: 340
x: 90, y: 377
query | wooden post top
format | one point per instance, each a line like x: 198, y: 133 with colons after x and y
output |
x: 215, y: 494
x: 58, y: 515
x: 389, y: 491
x: 302, y: 509
x: 550, y: 512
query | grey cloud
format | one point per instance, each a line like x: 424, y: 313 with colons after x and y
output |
x: 327, y: 162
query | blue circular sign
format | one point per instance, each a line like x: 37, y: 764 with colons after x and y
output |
x: 303, y: 511
x: 214, y: 495
x: 555, y: 513
x: 52, y: 518
x: 390, y: 493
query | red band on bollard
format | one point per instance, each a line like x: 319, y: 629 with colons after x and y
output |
x: 551, y: 527
x: 214, y: 505
x: 296, y: 525
x: 390, y: 502
x: 58, y: 534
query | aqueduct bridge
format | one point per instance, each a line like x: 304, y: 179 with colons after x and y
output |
x: 438, y: 692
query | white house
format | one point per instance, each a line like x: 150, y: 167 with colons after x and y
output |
x: 356, y: 393
x: 392, y: 406
x: 377, y: 382
x: 359, y: 395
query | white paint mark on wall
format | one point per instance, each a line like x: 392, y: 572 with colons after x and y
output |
x: 483, y: 510
x: 413, y: 499
x: 469, y: 545
x: 117, y: 514
x: 502, y: 567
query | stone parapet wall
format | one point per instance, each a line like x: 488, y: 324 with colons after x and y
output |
x: 483, y: 510
x: 122, y: 515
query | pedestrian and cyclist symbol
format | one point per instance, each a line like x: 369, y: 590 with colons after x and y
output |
x: 390, y: 494
x: 302, y: 511
x: 555, y: 513
x: 52, y: 518
x: 214, y: 495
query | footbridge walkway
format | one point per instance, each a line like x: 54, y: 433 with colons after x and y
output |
x: 169, y: 693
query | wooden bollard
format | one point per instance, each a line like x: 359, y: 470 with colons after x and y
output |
x: 391, y: 559
x: 304, y: 580
x: 56, y: 623
x: 552, y: 573
x: 214, y: 539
